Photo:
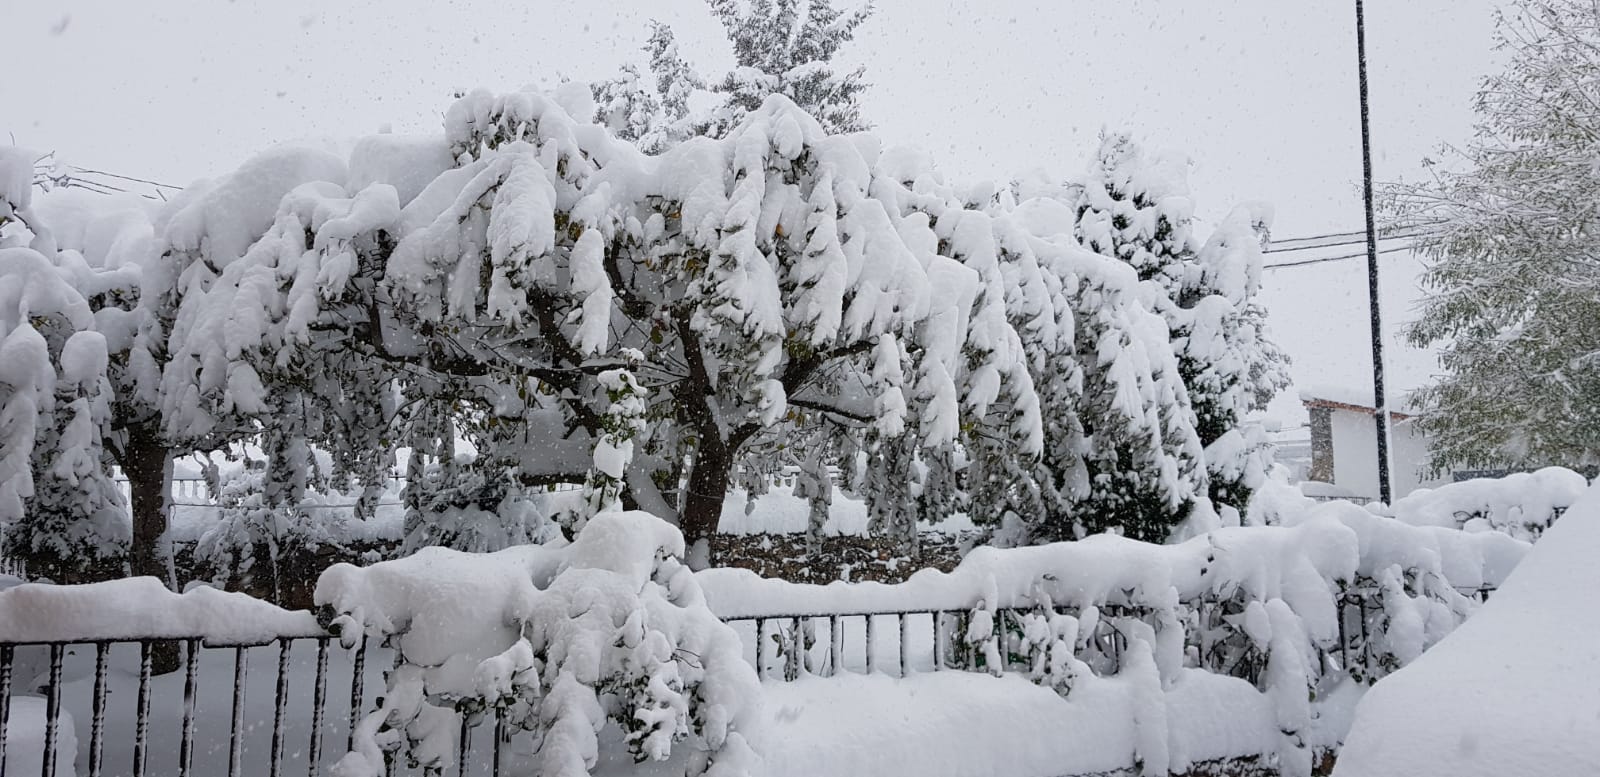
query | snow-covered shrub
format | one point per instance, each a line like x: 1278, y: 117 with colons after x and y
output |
x: 1260, y: 603
x: 1521, y: 504
x: 562, y: 641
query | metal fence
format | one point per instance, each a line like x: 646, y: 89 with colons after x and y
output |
x: 214, y: 716
x: 786, y: 646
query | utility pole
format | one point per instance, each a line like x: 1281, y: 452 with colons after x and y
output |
x: 1380, y: 405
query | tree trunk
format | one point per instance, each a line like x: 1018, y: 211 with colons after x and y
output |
x: 708, y: 484
x: 145, y: 458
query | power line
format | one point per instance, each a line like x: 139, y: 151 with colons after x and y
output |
x: 1341, y: 257
x: 1354, y: 234
x: 1278, y: 248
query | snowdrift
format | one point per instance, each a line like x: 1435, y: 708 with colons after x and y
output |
x: 1511, y: 692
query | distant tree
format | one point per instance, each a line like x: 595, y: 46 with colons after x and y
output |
x: 782, y: 47
x: 1507, y: 225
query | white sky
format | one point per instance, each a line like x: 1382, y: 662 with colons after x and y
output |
x: 1260, y: 94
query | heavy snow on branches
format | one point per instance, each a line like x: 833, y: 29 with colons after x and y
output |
x: 560, y: 290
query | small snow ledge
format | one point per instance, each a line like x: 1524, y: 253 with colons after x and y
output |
x: 140, y: 607
x: 1513, y: 690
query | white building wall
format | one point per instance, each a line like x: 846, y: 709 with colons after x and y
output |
x: 1355, y: 455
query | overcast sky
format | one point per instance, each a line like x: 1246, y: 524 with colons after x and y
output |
x: 1261, y: 95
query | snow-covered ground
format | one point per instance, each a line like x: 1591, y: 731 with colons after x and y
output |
x: 1514, y: 691
x: 959, y: 724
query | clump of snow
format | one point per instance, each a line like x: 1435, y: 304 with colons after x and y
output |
x: 961, y: 723
x: 1510, y: 692
x: 140, y: 607
x: 222, y: 219
x: 16, y: 180
x: 406, y: 162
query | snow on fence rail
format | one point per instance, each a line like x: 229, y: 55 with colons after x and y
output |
x: 1340, y: 596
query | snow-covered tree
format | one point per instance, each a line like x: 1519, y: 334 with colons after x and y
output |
x: 739, y: 279
x: 785, y: 47
x: 1135, y: 206
x: 1506, y: 225
x: 1231, y: 367
x: 59, y: 506
x: 255, y: 267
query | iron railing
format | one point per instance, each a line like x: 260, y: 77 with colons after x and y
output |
x: 291, y: 736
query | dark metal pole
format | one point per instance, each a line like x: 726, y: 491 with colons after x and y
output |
x: 1380, y: 406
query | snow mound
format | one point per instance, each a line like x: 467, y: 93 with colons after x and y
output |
x: 1522, y: 504
x: 139, y: 607
x: 1512, y: 691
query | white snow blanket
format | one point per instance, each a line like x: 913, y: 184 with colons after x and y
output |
x: 1511, y: 692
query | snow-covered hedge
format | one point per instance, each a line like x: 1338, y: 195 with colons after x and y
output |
x: 1335, y: 595
x: 1522, y: 504
x: 559, y: 640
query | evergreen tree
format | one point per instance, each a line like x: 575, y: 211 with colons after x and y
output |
x: 60, y: 509
x: 784, y: 47
x: 1135, y: 207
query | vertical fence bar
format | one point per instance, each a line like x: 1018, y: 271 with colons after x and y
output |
x: 905, y: 666
x: 1366, y: 650
x: 937, y: 658
x: 141, y: 731
x: 319, y: 702
x: 97, y: 730
x: 52, y: 711
x: 1344, y: 638
x: 797, y: 647
x: 191, y: 691
x: 499, y: 736
x: 357, y: 681
x: 236, y: 736
x: 282, y: 697
x: 5, y: 701
x: 835, y: 645
x: 761, y: 650
x: 869, y: 643
x: 465, y: 745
